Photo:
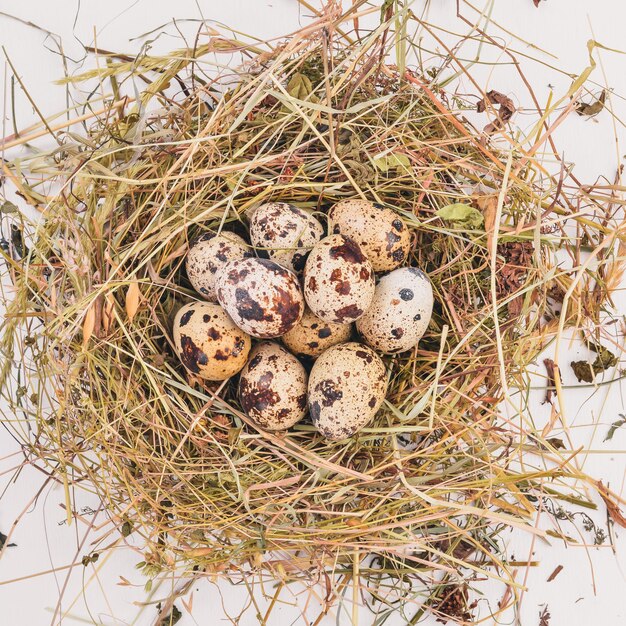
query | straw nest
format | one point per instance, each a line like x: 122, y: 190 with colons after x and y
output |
x: 101, y: 402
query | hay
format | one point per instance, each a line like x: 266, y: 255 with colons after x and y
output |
x: 99, y: 400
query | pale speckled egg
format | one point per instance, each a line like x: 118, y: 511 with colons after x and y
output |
x: 262, y: 297
x: 210, y: 253
x: 347, y: 385
x: 273, y: 387
x: 339, y: 281
x: 381, y: 233
x: 207, y: 341
x: 285, y: 232
x: 400, y: 311
x: 312, y: 335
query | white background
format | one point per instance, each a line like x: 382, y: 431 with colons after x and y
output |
x: 591, y: 588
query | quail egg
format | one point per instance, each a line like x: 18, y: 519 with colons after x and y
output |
x: 400, y: 311
x: 209, y: 254
x: 273, y: 387
x: 312, y: 335
x: 286, y: 232
x: 347, y: 385
x: 207, y: 341
x: 262, y: 297
x: 381, y: 233
x: 338, y: 280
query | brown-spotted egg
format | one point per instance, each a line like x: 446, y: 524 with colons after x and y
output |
x: 312, y: 335
x: 209, y: 254
x: 207, y: 341
x: 338, y: 280
x: 262, y: 297
x: 400, y: 311
x: 347, y: 385
x: 273, y: 387
x: 285, y: 232
x: 381, y: 233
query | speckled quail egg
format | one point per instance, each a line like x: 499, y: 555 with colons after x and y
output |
x: 273, y: 387
x: 312, y: 335
x: 207, y: 341
x: 400, y: 311
x: 210, y: 253
x: 262, y: 297
x: 338, y: 280
x: 286, y: 232
x: 381, y: 233
x: 347, y: 385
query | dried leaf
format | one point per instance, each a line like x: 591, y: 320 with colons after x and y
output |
x: 552, y: 371
x: 388, y: 161
x: 462, y: 213
x: 556, y: 443
x: 583, y: 370
x: 3, y: 540
x: 489, y: 206
x: 89, y: 324
x: 172, y: 618
x: 586, y: 372
x: 299, y: 86
x: 8, y: 207
x: 127, y: 528
x: 614, y: 426
x: 604, y: 360
x: 536, y: 2
x: 133, y: 296
x: 611, y: 506
x: 593, y: 108
x: 544, y: 617
x: 505, y: 110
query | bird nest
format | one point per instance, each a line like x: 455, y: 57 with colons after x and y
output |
x: 413, y: 506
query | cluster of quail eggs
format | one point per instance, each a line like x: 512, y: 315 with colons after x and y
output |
x: 300, y: 292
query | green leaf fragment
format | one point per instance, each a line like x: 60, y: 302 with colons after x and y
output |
x: 586, y: 372
x: 8, y: 207
x: 299, y: 86
x: 386, y: 162
x: 463, y: 214
x: 614, y: 426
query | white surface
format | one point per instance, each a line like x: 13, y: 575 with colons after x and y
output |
x: 591, y: 587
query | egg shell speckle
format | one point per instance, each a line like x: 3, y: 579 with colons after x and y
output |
x: 208, y: 255
x: 273, y: 387
x: 262, y: 297
x: 400, y: 311
x: 207, y: 341
x: 339, y: 281
x: 381, y: 233
x: 312, y: 335
x: 347, y: 385
x: 285, y: 232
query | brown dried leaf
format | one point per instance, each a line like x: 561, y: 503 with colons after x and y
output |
x: 489, y: 206
x: 583, y: 370
x: 133, y: 296
x: 89, y: 323
x: 611, y: 506
x: 592, y: 108
x: 552, y: 371
x: 505, y: 110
